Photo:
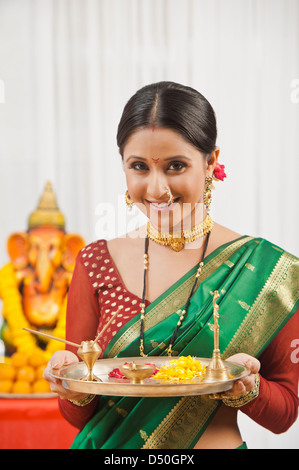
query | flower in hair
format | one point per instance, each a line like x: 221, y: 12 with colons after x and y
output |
x: 219, y: 173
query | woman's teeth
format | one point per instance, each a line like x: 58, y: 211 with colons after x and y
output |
x: 163, y: 204
x: 160, y: 204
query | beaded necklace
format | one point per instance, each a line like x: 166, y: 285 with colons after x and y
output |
x: 185, y: 309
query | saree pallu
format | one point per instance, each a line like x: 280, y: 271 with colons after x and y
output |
x: 258, y: 286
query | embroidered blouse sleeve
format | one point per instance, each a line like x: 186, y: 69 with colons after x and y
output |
x: 276, y: 407
x: 83, y: 314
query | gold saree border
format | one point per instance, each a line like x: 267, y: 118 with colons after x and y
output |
x: 175, y: 299
x: 191, y: 414
x: 277, y: 295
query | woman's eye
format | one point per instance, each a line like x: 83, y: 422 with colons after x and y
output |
x: 177, y: 166
x: 139, y: 166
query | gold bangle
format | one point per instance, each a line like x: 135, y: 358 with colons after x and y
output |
x: 247, y: 397
x: 83, y: 401
x: 236, y: 402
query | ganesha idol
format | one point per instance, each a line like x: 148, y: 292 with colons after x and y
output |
x: 34, y: 285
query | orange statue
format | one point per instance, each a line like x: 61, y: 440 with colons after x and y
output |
x: 34, y: 285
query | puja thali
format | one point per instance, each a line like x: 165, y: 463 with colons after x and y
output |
x: 73, y: 378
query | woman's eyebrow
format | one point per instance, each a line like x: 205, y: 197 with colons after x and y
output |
x: 178, y: 157
x: 175, y: 157
x: 135, y: 156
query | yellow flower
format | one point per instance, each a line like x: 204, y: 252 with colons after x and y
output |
x: 183, y: 369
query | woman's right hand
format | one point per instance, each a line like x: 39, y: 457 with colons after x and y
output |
x: 58, y: 360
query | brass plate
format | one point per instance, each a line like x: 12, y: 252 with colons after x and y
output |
x: 72, y: 374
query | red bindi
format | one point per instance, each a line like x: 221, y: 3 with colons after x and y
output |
x: 155, y: 160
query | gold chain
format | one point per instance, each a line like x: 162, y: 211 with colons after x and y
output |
x: 177, y: 240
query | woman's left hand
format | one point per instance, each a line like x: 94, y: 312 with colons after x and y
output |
x: 244, y: 385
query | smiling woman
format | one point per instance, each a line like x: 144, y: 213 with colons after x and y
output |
x: 160, y: 279
x: 167, y: 136
x: 181, y: 168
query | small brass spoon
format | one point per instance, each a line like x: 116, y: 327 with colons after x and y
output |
x: 88, y: 351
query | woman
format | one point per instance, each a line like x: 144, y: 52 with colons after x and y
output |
x: 161, y: 277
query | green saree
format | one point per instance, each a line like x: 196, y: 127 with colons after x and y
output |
x: 258, y: 286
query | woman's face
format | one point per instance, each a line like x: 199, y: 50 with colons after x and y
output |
x: 157, y: 159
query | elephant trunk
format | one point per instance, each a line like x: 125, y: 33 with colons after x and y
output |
x: 44, y: 272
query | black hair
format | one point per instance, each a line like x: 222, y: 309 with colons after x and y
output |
x: 172, y: 106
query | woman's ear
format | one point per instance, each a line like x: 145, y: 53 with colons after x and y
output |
x: 212, y: 161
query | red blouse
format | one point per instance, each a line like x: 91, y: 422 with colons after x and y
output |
x: 97, y: 291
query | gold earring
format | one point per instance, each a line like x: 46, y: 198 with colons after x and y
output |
x: 207, y: 195
x: 129, y: 201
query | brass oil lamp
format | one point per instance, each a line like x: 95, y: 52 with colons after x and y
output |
x: 137, y: 373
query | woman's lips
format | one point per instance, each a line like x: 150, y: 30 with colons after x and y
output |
x: 162, y: 206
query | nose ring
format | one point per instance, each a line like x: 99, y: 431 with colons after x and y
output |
x: 169, y: 194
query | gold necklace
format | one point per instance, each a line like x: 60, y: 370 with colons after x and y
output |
x: 177, y: 240
x: 185, y: 309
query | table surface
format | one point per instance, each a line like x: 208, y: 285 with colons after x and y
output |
x: 34, y: 423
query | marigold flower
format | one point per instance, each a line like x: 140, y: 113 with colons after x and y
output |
x: 183, y: 369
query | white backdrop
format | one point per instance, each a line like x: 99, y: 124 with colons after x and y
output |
x: 67, y: 67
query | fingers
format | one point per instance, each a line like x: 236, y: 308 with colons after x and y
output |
x: 253, y: 364
x: 244, y: 385
x: 249, y: 361
x: 62, y: 358
x: 58, y: 360
x: 237, y: 389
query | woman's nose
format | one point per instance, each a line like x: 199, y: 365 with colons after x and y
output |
x: 157, y: 185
